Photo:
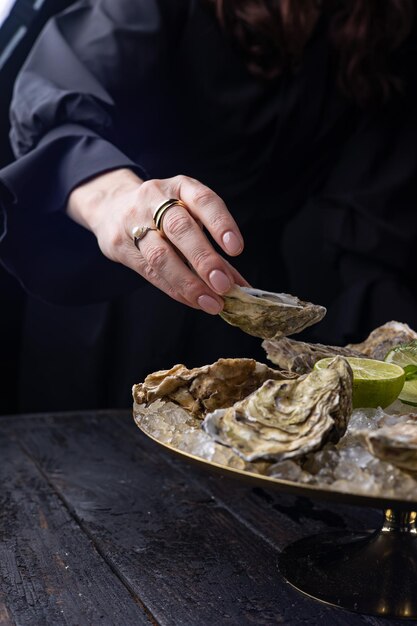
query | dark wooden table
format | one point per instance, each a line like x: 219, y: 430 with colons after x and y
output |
x: 100, y: 526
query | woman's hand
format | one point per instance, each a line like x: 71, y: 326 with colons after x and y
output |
x: 183, y: 264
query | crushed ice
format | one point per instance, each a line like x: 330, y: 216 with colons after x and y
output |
x: 347, y: 466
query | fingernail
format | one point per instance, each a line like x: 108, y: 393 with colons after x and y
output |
x: 232, y: 242
x: 219, y: 281
x: 209, y: 304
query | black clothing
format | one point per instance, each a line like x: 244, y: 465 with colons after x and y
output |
x: 324, y: 193
x: 17, y: 34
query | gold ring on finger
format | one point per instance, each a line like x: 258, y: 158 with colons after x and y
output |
x: 162, y: 209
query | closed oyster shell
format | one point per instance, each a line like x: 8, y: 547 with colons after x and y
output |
x: 396, y: 444
x: 266, y: 315
x: 299, y: 356
x: 383, y: 339
x: 206, y: 388
x: 287, y: 419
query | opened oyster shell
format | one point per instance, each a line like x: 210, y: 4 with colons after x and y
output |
x: 287, y: 419
x: 383, y: 339
x: 266, y: 315
x: 396, y: 444
x: 206, y: 388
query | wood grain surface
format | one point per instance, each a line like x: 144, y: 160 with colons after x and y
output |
x: 98, y: 525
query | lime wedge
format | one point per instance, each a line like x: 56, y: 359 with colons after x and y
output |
x: 375, y: 383
x: 405, y: 355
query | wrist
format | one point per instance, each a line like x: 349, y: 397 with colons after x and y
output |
x: 87, y: 201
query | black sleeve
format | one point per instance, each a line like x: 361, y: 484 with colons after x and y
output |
x: 67, y: 99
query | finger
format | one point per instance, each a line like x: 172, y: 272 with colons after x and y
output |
x: 209, y: 208
x: 136, y: 261
x: 160, y: 264
x: 185, y: 234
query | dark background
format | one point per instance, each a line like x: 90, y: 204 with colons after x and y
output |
x: 23, y: 20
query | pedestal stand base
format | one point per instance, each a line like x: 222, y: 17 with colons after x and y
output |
x: 366, y: 572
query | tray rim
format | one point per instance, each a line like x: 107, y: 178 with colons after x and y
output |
x: 287, y: 486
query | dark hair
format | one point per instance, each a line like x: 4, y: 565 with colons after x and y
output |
x: 272, y: 35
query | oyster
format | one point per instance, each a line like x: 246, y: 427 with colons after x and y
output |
x: 383, y: 339
x: 287, y: 419
x: 299, y: 356
x: 206, y: 388
x: 267, y: 315
x: 396, y: 444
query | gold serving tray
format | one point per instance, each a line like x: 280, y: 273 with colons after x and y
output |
x: 372, y: 572
x: 287, y: 486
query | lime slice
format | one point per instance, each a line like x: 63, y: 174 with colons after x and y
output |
x: 375, y: 383
x: 405, y: 355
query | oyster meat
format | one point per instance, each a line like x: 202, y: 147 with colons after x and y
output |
x: 267, y: 315
x: 287, y: 419
x: 206, y: 388
x: 396, y: 444
x: 383, y: 339
x: 299, y: 356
